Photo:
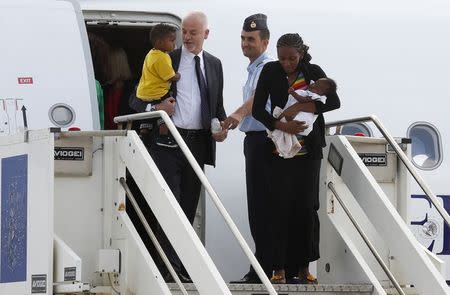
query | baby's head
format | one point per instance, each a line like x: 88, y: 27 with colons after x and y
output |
x: 163, y: 37
x: 323, y: 86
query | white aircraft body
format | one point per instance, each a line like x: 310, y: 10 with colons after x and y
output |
x: 389, y: 58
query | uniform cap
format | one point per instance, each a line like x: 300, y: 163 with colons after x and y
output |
x: 255, y: 22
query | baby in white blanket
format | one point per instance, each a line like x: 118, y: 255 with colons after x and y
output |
x: 288, y: 145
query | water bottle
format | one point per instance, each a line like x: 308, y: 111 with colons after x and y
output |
x: 215, y: 126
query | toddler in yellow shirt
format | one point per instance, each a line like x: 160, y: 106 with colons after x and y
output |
x: 158, y: 74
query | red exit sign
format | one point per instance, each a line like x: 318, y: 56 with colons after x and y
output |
x: 25, y: 80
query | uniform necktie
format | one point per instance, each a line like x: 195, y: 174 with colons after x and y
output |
x: 206, y: 115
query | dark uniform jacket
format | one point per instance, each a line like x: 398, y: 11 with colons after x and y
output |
x: 273, y: 82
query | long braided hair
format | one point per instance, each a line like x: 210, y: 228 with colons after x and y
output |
x: 295, y: 41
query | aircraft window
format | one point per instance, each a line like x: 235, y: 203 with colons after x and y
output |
x: 61, y: 115
x: 356, y: 129
x: 426, y: 145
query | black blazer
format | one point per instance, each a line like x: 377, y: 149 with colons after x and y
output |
x: 214, y: 79
x: 273, y: 83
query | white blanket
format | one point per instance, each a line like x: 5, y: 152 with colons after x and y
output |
x: 286, y: 144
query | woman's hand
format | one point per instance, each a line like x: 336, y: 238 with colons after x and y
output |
x: 291, y: 127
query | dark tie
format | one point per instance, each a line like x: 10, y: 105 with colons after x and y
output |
x: 206, y: 115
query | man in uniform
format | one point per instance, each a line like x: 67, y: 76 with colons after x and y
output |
x: 257, y: 147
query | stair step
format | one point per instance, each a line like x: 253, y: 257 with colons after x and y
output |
x: 285, y: 289
x: 408, y: 291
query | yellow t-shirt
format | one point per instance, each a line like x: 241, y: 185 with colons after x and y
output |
x: 156, y: 72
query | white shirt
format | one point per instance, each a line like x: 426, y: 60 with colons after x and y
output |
x: 187, y: 113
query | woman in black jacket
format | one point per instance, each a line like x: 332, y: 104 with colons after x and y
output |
x: 295, y: 184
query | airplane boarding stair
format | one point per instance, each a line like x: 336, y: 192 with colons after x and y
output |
x: 364, y: 199
x: 411, y: 272
x: 65, y: 259
x: 366, y: 246
x: 163, y: 204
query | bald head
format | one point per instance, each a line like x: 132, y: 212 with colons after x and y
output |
x: 195, y: 31
x: 197, y: 16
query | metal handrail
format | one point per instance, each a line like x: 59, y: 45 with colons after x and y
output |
x: 431, y: 196
x: 367, y: 241
x: 152, y: 236
x: 202, y: 177
x: 102, y: 133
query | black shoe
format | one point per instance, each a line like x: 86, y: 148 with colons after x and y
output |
x: 183, y: 278
x: 249, y: 278
x: 166, y: 141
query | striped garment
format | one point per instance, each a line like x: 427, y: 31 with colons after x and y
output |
x: 300, y: 83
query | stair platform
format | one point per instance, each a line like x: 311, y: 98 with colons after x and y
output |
x: 285, y: 289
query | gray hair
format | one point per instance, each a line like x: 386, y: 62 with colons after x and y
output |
x: 198, y: 15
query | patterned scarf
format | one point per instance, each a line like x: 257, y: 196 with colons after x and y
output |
x: 300, y: 82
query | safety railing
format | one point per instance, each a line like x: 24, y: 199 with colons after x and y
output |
x: 366, y: 240
x: 430, y: 195
x: 152, y: 236
x: 128, y: 119
x: 102, y: 133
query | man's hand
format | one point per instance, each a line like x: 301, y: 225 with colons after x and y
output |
x: 231, y: 122
x: 220, y: 136
x: 175, y: 78
x: 167, y: 105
